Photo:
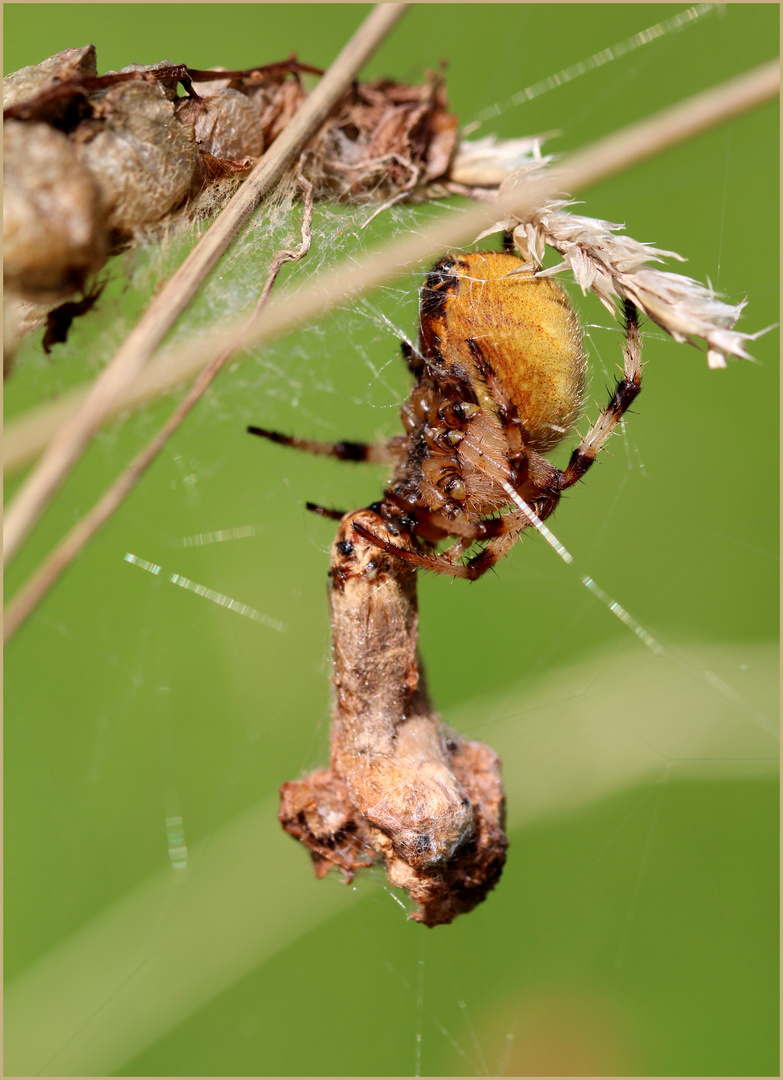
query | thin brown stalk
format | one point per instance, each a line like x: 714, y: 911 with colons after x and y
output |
x: 36, y: 587
x: 599, y: 161
x: 129, y: 361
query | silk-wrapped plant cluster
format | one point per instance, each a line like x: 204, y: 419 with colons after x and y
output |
x: 93, y: 162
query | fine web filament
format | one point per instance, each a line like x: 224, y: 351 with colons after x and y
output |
x: 209, y: 594
x: 598, y: 59
x: 709, y: 678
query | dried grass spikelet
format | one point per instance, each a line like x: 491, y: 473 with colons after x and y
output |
x: 619, y: 267
x: 487, y: 162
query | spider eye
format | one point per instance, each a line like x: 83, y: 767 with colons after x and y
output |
x: 455, y: 488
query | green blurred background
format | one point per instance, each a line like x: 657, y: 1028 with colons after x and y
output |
x: 635, y: 928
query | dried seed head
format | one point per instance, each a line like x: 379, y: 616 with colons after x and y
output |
x: 619, y: 267
x: 488, y: 161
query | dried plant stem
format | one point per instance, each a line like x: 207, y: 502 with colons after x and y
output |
x: 24, y: 438
x: 36, y: 587
x: 130, y: 359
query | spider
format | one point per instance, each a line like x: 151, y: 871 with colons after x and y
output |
x: 500, y: 374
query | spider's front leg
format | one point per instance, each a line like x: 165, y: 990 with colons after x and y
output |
x: 439, y: 563
x: 385, y: 453
x: 500, y: 534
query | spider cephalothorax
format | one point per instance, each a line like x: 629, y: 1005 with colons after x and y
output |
x: 500, y: 377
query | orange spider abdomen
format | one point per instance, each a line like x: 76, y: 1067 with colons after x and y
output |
x: 484, y: 319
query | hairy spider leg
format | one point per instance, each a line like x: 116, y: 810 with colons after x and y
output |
x: 427, y: 562
x: 500, y: 532
x: 377, y: 453
x: 346, y: 450
x: 625, y: 392
x: 325, y: 511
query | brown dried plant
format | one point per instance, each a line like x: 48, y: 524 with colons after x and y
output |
x: 401, y: 787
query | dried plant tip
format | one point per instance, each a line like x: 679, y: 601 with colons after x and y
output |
x: 487, y: 162
x: 401, y: 787
x: 620, y: 268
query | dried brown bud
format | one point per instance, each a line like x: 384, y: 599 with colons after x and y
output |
x: 224, y: 123
x: 29, y: 82
x: 142, y: 157
x: 54, y: 232
x: 388, y: 137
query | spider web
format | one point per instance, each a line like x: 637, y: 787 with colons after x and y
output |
x: 158, y: 920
